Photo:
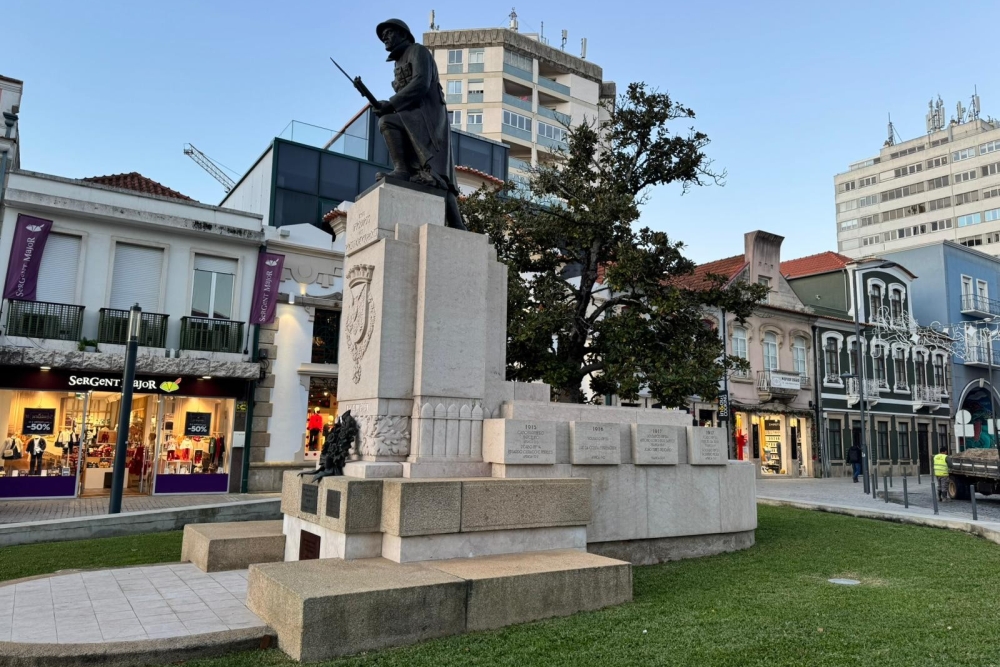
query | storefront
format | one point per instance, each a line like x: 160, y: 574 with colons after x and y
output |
x: 60, y: 430
x: 779, y: 443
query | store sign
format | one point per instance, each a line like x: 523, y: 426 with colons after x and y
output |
x: 723, y: 406
x: 95, y: 382
x: 30, y: 235
x: 57, y: 379
x: 772, y: 424
x: 785, y: 381
x: 197, y: 423
x: 265, y: 287
x: 39, y: 421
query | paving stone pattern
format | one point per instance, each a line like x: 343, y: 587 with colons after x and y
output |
x: 124, y: 605
x: 20, y: 511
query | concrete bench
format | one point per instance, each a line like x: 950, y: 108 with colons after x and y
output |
x: 214, y: 547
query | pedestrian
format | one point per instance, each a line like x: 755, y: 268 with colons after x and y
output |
x: 941, y: 473
x: 854, y: 458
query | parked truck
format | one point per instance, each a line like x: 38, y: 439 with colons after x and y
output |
x: 973, y: 468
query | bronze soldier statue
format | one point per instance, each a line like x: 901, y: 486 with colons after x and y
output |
x: 414, y: 121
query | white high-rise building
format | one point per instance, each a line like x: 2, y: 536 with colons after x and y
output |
x: 944, y: 185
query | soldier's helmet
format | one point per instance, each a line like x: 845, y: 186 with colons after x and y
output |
x: 395, y: 23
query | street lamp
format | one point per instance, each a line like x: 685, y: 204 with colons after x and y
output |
x: 125, y: 410
x: 858, y: 304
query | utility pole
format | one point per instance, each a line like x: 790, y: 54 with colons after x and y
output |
x: 125, y: 410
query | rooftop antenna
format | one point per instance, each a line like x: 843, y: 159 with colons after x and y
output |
x: 891, y: 141
x: 583, y: 48
x: 974, y: 105
x: 513, y: 19
x: 959, y: 112
x: 565, y: 36
x: 434, y: 26
x: 939, y: 113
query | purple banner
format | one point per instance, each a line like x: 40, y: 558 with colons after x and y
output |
x: 38, y: 487
x: 192, y: 483
x: 265, y: 287
x: 30, y: 235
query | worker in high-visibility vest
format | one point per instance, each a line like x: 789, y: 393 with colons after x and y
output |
x: 941, y: 473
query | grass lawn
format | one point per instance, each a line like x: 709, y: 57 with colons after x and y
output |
x: 928, y: 598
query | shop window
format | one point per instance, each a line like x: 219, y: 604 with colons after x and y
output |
x: 326, y: 336
x: 214, y: 280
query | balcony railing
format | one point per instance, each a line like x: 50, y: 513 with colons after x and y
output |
x: 519, y: 164
x: 545, y: 82
x: 517, y: 71
x: 925, y: 394
x: 208, y: 335
x: 779, y: 383
x: 515, y: 101
x: 39, y: 319
x: 974, y: 304
x: 979, y: 355
x: 565, y: 119
x: 516, y: 132
x: 472, y: 98
x: 872, y: 389
x: 112, y: 328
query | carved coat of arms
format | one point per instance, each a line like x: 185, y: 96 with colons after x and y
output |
x: 361, y: 317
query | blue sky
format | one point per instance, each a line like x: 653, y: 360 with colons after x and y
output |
x: 789, y: 92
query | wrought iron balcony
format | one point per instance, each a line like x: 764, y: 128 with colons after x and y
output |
x: 40, y: 319
x: 979, y: 355
x: 208, y: 335
x: 924, y: 395
x: 112, y: 328
x: 778, y: 384
x: 872, y: 388
x: 979, y: 306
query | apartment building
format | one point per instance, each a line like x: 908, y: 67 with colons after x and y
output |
x: 10, y: 106
x: 943, y: 186
x: 515, y: 88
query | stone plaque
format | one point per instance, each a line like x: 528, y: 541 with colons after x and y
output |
x: 333, y: 504
x: 519, y: 441
x: 308, y: 545
x: 594, y: 443
x: 707, y: 446
x: 362, y: 231
x: 310, y: 498
x: 657, y: 444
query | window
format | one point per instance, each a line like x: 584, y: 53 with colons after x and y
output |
x: 906, y: 151
x: 136, y: 277
x: 920, y: 369
x: 551, y: 132
x: 883, y: 441
x: 799, y: 356
x: 971, y: 219
x: 454, y: 57
x: 982, y: 290
x: 849, y: 224
x: 871, y: 240
x: 994, y: 192
x: 910, y: 169
x: 870, y: 200
x: 939, y: 142
x: 770, y: 351
x: 874, y: 299
x: 326, y: 336
x: 904, y: 441
x: 878, y: 361
x: 852, y: 357
x: 943, y: 440
x: 519, y: 61
x: 991, y: 169
x: 847, y: 206
x: 967, y: 198
x: 937, y: 204
x: 831, y: 359
x: 939, y: 182
x: 989, y: 147
x: 740, y: 342
x: 937, y: 162
x: 963, y: 154
x: 965, y: 176
x: 516, y: 120
x: 869, y: 220
x: 992, y: 214
x: 899, y: 367
x: 971, y: 241
x: 899, y: 193
x: 836, y: 442
x: 475, y: 118
x: 212, y: 295
x: 455, y: 118
x: 476, y: 87
x: 57, y: 272
x: 896, y: 304
x: 938, y: 225
x: 865, y: 182
x: 939, y: 379
x: 847, y: 187
x: 477, y: 56
x: 454, y: 87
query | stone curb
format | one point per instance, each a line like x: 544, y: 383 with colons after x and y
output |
x: 986, y: 530
x: 135, y: 523
x: 132, y: 654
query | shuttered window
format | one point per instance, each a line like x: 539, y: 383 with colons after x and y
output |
x: 136, y: 278
x: 214, y: 280
x: 57, y: 274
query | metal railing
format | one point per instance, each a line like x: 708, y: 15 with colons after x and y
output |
x: 565, y: 119
x: 472, y: 98
x: 546, y: 82
x: 928, y: 394
x: 980, y: 354
x: 515, y: 101
x: 872, y: 388
x: 40, y: 319
x: 516, y: 132
x: 778, y: 382
x: 208, y: 335
x: 517, y: 71
x: 974, y: 303
x: 112, y: 328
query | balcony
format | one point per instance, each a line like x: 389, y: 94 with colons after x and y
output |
x: 545, y: 82
x: 979, y: 306
x: 39, y: 319
x: 473, y: 98
x: 453, y: 98
x: 979, y: 356
x: 208, y: 335
x: 778, y: 385
x: 516, y: 132
x: 557, y: 116
x: 872, y: 388
x: 515, y: 101
x: 476, y: 67
x: 112, y: 328
x: 454, y: 68
x: 518, y: 72
x: 929, y: 397
x: 518, y: 164
x: 552, y: 144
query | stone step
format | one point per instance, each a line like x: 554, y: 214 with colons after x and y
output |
x: 322, y: 609
x: 215, y: 547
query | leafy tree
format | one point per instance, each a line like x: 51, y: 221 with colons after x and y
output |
x: 591, y: 297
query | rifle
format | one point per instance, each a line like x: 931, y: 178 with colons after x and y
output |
x: 360, y: 86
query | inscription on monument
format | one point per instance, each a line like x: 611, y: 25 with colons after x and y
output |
x: 310, y: 497
x: 654, y: 445
x: 593, y: 443
x: 517, y: 441
x: 707, y: 446
x: 333, y: 504
x: 362, y: 233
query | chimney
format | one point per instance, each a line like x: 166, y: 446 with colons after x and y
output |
x: 763, y: 253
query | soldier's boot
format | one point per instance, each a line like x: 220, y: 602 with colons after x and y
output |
x: 395, y: 142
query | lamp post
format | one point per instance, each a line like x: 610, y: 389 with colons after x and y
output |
x: 989, y: 365
x: 125, y: 410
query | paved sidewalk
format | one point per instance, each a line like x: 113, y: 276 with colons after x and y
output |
x: 128, y: 604
x: 21, y: 511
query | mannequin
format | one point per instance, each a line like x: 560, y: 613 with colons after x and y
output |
x: 36, y: 448
x: 314, y: 425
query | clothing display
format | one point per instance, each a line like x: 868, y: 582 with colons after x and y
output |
x: 35, y: 448
x: 11, y: 448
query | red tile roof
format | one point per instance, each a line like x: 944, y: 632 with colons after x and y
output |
x: 136, y: 182
x: 824, y: 262
x: 489, y: 178
x: 728, y: 268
